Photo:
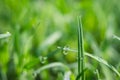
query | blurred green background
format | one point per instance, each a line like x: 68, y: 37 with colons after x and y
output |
x: 38, y: 27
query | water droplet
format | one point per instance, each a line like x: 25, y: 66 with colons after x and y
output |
x: 43, y: 59
x: 65, y: 50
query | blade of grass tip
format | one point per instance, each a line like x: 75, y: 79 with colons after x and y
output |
x: 80, y: 48
x: 7, y: 34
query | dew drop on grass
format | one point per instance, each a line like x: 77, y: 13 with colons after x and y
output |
x: 43, y: 59
x: 65, y: 50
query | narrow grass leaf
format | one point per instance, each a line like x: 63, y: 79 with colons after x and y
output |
x: 100, y: 60
x: 98, y: 75
x: 80, y: 49
x: 103, y: 62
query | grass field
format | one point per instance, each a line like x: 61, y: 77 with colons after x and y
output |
x: 59, y: 40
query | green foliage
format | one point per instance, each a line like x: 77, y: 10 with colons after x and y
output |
x: 37, y: 27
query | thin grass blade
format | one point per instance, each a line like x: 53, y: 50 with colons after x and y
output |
x: 80, y: 48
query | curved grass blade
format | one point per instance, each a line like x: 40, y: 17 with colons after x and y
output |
x: 103, y: 62
x: 55, y: 64
x: 100, y: 60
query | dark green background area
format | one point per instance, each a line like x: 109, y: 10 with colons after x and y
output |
x: 38, y: 27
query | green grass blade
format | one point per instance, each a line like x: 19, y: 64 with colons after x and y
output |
x: 79, y: 75
x: 103, y: 62
x: 55, y: 64
x: 100, y: 60
x: 98, y: 75
x: 80, y: 49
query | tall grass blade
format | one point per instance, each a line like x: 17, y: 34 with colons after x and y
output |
x: 80, y: 49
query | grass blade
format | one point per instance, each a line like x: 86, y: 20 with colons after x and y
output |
x: 103, y: 62
x: 55, y: 64
x: 78, y: 76
x: 80, y: 49
x: 98, y: 75
x: 100, y: 60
